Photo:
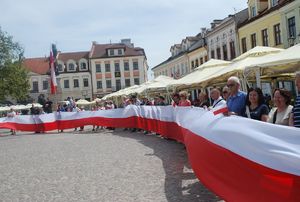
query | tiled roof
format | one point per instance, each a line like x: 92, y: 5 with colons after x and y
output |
x: 37, y: 65
x: 73, y: 55
x: 100, y: 50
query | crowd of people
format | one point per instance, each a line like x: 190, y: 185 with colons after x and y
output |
x: 253, y: 105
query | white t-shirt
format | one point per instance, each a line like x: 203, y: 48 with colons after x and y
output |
x: 11, y: 114
x: 219, y: 102
x: 282, y: 118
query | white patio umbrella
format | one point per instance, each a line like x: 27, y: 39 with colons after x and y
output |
x: 200, y: 74
x: 82, y: 102
x: 240, y: 63
x: 157, y: 85
x: 4, y: 109
x: 286, y: 61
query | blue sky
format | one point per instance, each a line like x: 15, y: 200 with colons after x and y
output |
x: 154, y: 25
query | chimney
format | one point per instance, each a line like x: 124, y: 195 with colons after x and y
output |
x: 127, y: 42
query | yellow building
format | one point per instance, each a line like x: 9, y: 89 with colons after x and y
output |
x: 263, y: 28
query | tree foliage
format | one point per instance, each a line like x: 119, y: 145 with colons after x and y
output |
x: 13, y: 77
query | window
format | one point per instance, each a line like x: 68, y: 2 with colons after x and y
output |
x: 71, y: 67
x: 274, y: 3
x: 232, y: 50
x: 136, y: 81
x: 108, y: 83
x: 66, y: 84
x: 99, y: 84
x: 119, y: 51
x: 45, y: 85
x: 127, y: 82
x: 35, y: 86
x: 225, y: 56
x: 85, y: 82
x: 107, y: 67
x: 111, y: 52
x: 205, y: 58
x: 197, y: 64
x: 212, y: 54
x: 277, y: 37
x: 76, y: 83
x: 291, y: 27
x: 201, y: 61
x: 60, y: 68
x: 253, y: 40
x: 83, y: 66
x: 117, y: 67
x: 244, y: 45
x: 98, y: 68
x: 218, y: 53
x: 253, y: 11
x: 118, y: 84
x: 135, y: 65
x: 126, y: 66
x: 264, y: 34
x: 193, y: 65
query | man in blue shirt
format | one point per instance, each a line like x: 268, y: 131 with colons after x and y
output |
x: 295, y: 115
x: 236, y: 101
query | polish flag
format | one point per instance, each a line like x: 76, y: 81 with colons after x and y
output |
x: 53, y: 77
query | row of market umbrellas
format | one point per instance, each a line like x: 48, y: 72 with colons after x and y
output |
x: 20, y: 107
x: 259, y: 61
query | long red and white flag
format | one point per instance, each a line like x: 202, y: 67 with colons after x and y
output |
x: 53, y: 82
x: 240, y: 159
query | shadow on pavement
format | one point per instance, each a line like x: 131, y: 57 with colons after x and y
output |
x: 180, y: 182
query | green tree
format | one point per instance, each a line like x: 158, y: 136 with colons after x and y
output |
x: 13, y: 77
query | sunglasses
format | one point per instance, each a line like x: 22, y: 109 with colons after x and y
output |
x: 224, y: 92
x: 230, y: 85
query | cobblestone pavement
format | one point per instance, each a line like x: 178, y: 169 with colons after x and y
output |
x: 96, y: 166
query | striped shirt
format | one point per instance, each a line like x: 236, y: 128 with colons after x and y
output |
x: 296, y: 112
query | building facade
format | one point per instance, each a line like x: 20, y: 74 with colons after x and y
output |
x: 104, y: 69
x: 290, y: 22
x: 117, y: 66
x: 74, y: 79
x: 222, y: 40
x: 184, y: 58
x: 264, y: 27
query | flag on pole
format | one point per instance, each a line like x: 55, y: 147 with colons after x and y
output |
x: 52, y: 73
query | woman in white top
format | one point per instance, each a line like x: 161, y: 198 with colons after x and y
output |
x: 281, y: 113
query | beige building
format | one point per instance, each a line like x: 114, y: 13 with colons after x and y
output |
x: 290, y: 22
x: 184, y: 57
x: 264, y: 26
x: 222, y: 40
x: 89, y: 74
x: 74, y: 79
x: 116, y: 66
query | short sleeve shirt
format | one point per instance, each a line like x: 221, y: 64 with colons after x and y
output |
x: 259, y: 111
x: 237, y: 103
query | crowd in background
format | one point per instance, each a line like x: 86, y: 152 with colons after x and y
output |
x: 253, y: 105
